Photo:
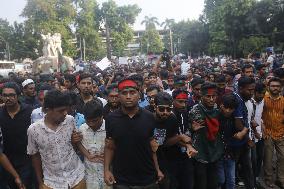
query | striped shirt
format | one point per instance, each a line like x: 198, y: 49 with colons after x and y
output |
x: 273, y: 117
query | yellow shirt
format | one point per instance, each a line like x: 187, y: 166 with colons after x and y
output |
x: 273, y: 116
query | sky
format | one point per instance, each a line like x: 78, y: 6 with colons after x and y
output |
x: 162, y: 9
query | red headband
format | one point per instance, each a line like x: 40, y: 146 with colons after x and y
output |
x: 127, y: 83
x: 210, y: 91
x: 182, y: 96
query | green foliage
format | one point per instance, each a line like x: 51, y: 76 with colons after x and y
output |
x: 118, y: 19
x: 151, y: 42
x: 52, y: 16
x: 253, y: 44
x: 87, y: 27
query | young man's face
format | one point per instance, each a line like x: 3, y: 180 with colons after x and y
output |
x: 196, y: 90
x: 227, y: 112
x: 209, y: 99
x: 95, y: 123
x: 30, y: 90
x: 58, y: 114
x: 163, y: 111
x: 152, y: 79
x: 247, y: 91
x: 248, y: 72
x: 262, y: 71
x: 258, y: 96
x: 68, y: 84
x: 10, y: 97
x: 86, y: 85
x: 113, y: 98
x: 151, y: 96
x: 274, y: 88
x: 180, y: 104
x: 170, y: 82
x: 129, y: 97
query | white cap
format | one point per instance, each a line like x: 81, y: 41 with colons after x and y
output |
x: 27, y: 82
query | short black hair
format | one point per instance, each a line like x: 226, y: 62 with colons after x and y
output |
x: 163, y: 98
x: 196, y: 81
x: 136, y: 77
x: 259, y: 87
x: 246, y: 66
x: 260, y: 66
x: 70, y: 77
x: 164, y: 74
x: 93, y: 109
x: 153, y: 87
x: 152, y: 74
x: 279, y: 72
x: 178, y: 78
x: 111, y: 87
x: 275, y: 79
x: 73, y: 97
x: 245, y: 80
x: 84, y: 76
x: 12, y: 85
x: 56, y: 99
x: 230, y: 72
x: 220, y: 79
x: 178, y: 91
x: 229, y: 101
x: 208, y: 85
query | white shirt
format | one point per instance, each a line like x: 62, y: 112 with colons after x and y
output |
x: 37, y: 114
x: 258, y: 117
x: 104, y: 101
x: 61, y: 166
x: 94, y: 142
x: 249, y: 106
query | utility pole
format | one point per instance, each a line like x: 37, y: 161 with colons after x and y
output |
x: 108, y: 40
x: 84, y: 46
x: 171, y: 41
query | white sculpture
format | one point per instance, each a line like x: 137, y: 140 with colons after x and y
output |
x: 51, y: 45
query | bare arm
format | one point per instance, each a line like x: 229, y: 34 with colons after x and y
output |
x: 4, y: 161
x: 241, y: 128
x: 109, y: 153
x: 37, y: 164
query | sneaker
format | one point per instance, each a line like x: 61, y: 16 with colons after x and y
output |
x: 240, y: 183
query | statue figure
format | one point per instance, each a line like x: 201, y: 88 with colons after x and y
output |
x: 48, y: 45
x: 57, y: 43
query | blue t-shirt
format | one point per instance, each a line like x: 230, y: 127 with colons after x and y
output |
x: 240, y: 112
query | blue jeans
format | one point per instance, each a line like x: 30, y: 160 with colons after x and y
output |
x: 226, y: 173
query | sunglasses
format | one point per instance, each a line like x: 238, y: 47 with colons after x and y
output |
x: 165, y: 108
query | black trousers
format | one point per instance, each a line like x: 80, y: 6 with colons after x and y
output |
x: 205, y: 175
x: 150, y: 186
x: 181, y: 174
x: 243, y: 158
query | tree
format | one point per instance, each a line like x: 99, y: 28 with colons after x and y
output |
x: 116, y: 21
x: 5, y: 38
x: 150, y: 22
x: 52, y: 16
x: 168, y: 24
x: 193, y: 36
x: 87, y: 27
x: 253, y: 44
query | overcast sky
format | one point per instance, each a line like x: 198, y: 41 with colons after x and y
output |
x: 176, y: 9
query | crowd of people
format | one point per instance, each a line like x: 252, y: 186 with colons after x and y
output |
x: 167, y: 125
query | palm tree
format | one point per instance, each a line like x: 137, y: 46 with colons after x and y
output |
x: 150, y: 22
x: 168, y: 24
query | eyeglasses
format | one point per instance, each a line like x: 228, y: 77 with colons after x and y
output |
x: 10, y: 95
x: 165, y: 108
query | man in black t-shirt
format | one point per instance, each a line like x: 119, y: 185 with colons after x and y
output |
x: 129, y: 134
x: 173, y: 162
